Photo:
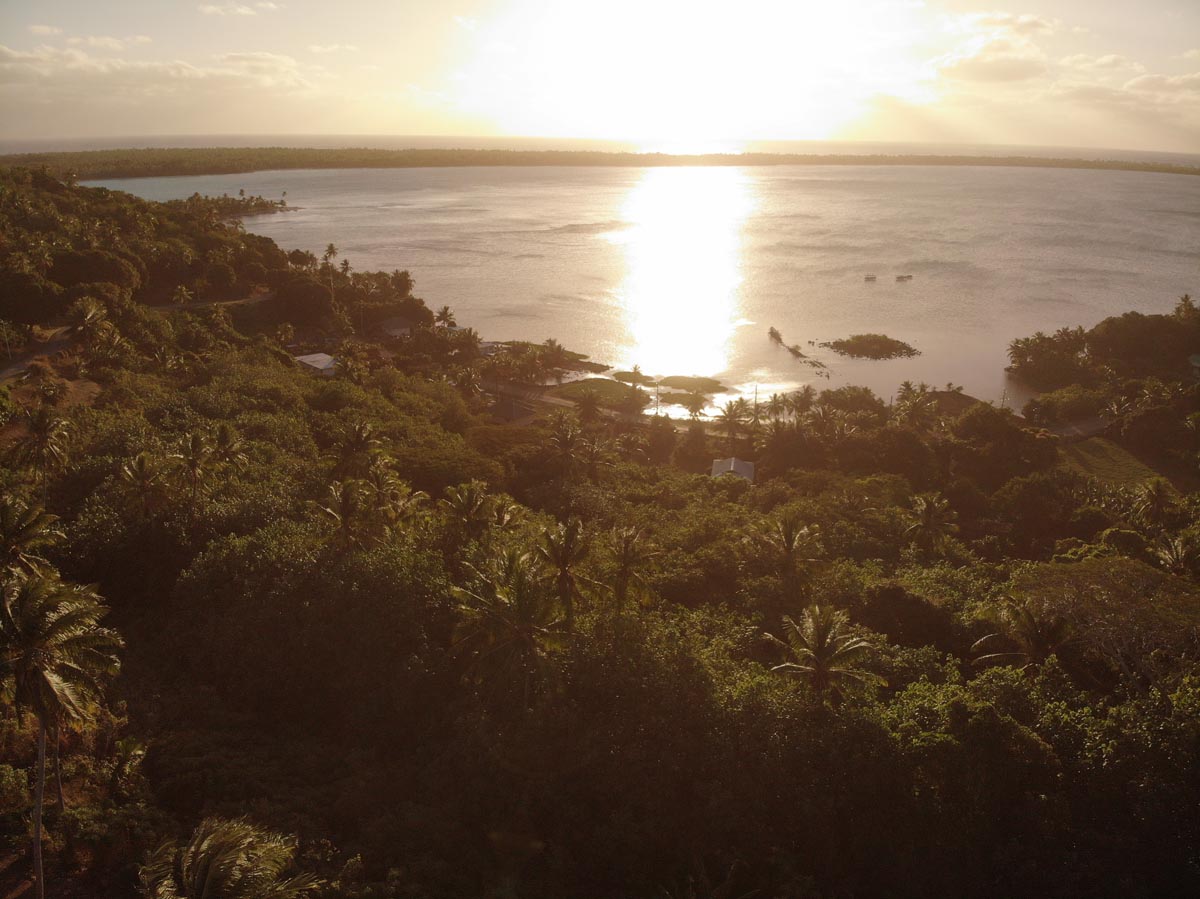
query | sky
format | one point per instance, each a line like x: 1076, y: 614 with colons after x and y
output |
x: 680, y: 75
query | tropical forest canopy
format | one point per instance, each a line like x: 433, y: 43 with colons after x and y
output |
x: 382, y: 634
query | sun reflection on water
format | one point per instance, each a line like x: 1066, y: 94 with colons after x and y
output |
x: 683, y: 253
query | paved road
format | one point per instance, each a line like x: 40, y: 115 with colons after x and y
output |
x: 58, y: 339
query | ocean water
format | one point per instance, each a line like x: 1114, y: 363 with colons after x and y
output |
x: 683, y: 270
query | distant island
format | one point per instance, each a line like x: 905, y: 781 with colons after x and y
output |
x: 871, y: 346
x: 162, y: 162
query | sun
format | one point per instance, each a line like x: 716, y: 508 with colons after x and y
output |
x: 671, y: 74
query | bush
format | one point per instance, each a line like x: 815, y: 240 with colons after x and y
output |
x: 1065, y: 404
x: 14, y: 790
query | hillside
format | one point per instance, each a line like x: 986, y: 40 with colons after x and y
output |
x: 444, y: 656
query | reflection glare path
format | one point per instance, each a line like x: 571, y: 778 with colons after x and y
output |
x: 683, y: 253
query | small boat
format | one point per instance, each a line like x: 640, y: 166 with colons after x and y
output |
x: 903, y: 277
x: 869, y: 278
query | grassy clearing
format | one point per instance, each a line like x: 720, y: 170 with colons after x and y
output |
x: 1106, y: 461
x: 610, y: 392
x: 704, y: 386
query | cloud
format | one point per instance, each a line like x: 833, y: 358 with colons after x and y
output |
x: 239, y: 9
x: 998, y: 82
x: 1110, y: 63
x: 227, y: 9
x: 269, y: 69
x: 466, y: 23
x: 997, y: 60
x: 996, y: 47
x: 103, y: 42
x: 332, y: 48
x: 1024, y: 25
x: 1190, y: 54
x: 99, y: 42
x: 1166, y: 84
x: 72, y: 73
x: 45, y: 30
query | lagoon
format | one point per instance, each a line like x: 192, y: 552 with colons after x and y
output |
x: 683, y: 270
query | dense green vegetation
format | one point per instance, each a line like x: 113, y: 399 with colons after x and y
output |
x: 150, y: 162
x: 373, y: 642
x: 871, y: 346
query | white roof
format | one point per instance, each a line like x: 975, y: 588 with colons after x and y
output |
x: 733, y: 466
x: 319, y: 361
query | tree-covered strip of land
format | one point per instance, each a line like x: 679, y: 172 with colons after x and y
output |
x: 871, y: 346
x: 159, y: 162
x: 363, y: 633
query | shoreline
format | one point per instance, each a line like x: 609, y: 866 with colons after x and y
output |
x: 100, y: 165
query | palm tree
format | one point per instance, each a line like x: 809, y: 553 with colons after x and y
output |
x: 54, y: 652
x: 630, y: 555
x: 802, y: 400
x: 145, y: 477
x: 358, y: 443
x: 227, y: 447
x: 594, y: 454
x: 631, y: 447
x: 1038, y: 632
x: 468, y: 382
x: 823, y: 420
x: 826, y: 654
x: 933, y: 521
x: 565, y: 442
x: 470, y: 509
x: 346, y: 510
x: 561, y: 551
x: 730, y: 419
x: 327, y: 258
x: 504, y: 512
x: 225, y: 859
x: 445, y: 317
x: 389, y: 498
x: 24, y: 529
x: 89, y: 320
x: 181, y: 296
x: 509, y: 623
x: 587, y: 406
x: 1155, y: 501
x: 1178, y: 554
x: 44, y: 446
x: 918, y: 411
x: 789, y: 541
x: 191, y: 465
x: 776, y: 406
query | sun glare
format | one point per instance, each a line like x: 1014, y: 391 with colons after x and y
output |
x: 684, y: 268
x: 688, y: 75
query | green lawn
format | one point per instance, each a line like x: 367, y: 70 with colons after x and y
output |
x: 610, y: 392
x: 1105, y: 461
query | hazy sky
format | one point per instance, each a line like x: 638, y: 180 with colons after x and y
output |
x: 675, y: 74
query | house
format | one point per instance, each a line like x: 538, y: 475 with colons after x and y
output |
x: 396, y: 326
x: 734, y: 467
x: 321, y: 363
x: 491, y: 347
